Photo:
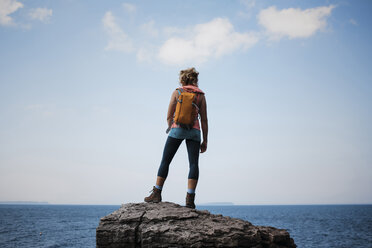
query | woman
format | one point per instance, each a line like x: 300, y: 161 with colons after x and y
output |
x: 189, y: 82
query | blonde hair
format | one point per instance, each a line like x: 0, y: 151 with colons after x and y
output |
x: 189, y: 77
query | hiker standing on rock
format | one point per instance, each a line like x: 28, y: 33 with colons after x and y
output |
x: 186, y: 105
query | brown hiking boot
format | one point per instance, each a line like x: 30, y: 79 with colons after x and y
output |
x: 190, y: 200
x: 155, y: 195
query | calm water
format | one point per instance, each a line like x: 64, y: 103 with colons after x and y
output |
x: 75, y: 225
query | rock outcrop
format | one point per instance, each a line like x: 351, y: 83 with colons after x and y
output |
x: 168, y: 224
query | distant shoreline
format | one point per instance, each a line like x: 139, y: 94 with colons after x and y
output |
x: 24, y: 202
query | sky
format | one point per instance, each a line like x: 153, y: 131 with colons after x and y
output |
x: 85, y: 87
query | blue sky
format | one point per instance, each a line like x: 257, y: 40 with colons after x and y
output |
x: 85, y: 86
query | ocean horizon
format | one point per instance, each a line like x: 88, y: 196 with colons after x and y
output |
x: 198, y: 204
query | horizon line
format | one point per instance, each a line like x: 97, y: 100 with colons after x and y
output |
x: 201, y: 204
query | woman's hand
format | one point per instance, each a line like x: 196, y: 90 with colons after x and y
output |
x: 203, y: 147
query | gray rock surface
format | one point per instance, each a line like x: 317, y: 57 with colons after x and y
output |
x: 168, y: 224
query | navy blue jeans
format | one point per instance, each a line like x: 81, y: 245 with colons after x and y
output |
x: 170, y: 149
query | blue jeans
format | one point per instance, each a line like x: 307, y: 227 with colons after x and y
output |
x: 170, y: 149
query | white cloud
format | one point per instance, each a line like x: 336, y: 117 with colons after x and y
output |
x: 118, y: 40
x: 247, y: 12
x: 208, y: 40
x: 149, y: 28
x: 249, y: 4
x: 354, y: 22
x: 170, y: 30
x: 145, y: 54
x: 41, y: 14
x: 293, y: 23
x: 130, y: 8
x: 8, y: 7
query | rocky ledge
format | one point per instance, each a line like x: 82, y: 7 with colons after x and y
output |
x: 168, y: 224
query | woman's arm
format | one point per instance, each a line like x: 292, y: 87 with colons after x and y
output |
x: 204, y: 124
x: 172, y: 108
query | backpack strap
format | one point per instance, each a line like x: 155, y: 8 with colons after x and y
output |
x: 180, y: 90
x: 196, y: 101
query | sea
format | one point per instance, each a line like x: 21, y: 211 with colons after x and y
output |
x: 75, y: 225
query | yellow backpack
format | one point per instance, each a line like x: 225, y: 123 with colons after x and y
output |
x: 186, y: 109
